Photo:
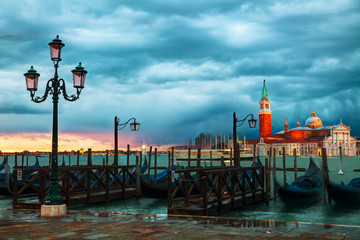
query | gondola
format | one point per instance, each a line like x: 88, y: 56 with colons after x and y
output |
x: 26, y: 177
x: 344, y: 193
x: 5, y: 171
x: 159, y: 189
x: 305, y: 189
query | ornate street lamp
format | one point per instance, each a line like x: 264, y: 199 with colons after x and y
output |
x: 134, y: 126
x: 252, y: 124
x: 55, y: 87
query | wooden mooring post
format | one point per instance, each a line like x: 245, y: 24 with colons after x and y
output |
x: 140, y: 158
x: 325, y: 173
x: 274, y: 173
x: 284, y: 166
x: 89, y: 157
x: 295, y: 164
x: 155, y: 165
x: 16, y: 154
x: 128, y: 155
x: 267, y: 180
x: 172, y: 158
x: 169, y: 159
x: 149, y: 167
x: 107, y: 158
x: 22, y: 161
x: 189, y: 157
x: 223, y: 161
x: 78, y: 157
x: 198, y: 158
x: 137, y: 177
x: 254, y: 153
x: 230, y: 157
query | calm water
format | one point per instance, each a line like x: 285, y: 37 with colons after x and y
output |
x: 276, y: 210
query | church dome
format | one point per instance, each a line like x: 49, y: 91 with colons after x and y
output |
x: 313, y: 121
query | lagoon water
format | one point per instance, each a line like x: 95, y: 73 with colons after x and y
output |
x: 319, y: 212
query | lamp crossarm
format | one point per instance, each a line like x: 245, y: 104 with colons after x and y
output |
x: 123, y: 125
x: 243, y: 120
x: 48, y: 90
x: 72, y: 97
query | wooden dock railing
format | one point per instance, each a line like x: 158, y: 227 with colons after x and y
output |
x: 77, y: 184
x: 204, y: 191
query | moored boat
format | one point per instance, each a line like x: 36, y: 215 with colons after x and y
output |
x: 305, y: 189
x: 158, y: 189
x: 345, y: 193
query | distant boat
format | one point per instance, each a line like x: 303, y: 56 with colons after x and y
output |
x: 345, y: 193
x: 206, y: 154
x: 304, y: 189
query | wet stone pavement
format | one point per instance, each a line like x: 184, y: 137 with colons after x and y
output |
x: 106, y: 225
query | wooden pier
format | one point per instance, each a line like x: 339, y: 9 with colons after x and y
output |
x: 207, y: 191
x: 78, y: 185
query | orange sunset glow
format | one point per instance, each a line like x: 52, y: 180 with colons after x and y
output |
x: 17, y: 142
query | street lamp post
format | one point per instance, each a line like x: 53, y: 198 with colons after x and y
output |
x: 252, y: 124
x: 55, y: 87
x: 134, y: 127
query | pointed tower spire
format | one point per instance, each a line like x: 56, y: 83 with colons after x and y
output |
x: 286, y: 125
x: 298, y: 123
x: 264, y: 92
x: 313, y: 113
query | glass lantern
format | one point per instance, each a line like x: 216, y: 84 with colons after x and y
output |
x: 55, y: 49
x: 79, y: 74
x: 31, y: 78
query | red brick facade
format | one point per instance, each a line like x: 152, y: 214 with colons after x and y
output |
x: 264, y: 125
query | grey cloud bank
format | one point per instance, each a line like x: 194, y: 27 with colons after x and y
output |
x: 183, y: 67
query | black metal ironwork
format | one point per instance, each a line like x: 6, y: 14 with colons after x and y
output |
x: 55, y: 87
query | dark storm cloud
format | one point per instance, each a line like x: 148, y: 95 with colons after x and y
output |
x: 15, y: 109
x: 183, y: 67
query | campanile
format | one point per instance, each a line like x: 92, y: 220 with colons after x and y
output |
x: 264, y: 114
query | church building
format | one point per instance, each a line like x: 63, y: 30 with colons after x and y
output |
x: 308, y: 139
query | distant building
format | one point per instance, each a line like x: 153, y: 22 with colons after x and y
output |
x: 203, y: 141
x: 307, y: 140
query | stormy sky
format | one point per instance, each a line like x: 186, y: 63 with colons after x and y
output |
x: 181, y: 67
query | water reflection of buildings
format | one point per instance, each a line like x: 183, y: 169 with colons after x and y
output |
x: 307, y: 140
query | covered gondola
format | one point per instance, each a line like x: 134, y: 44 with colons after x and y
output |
x: 345, y: 193
x: 5, y: 171
x: 305, y: 189
x: 158, y: 189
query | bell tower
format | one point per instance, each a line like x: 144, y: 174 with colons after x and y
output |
x: 264, y: 114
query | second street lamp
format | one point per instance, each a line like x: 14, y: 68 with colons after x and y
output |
x: 55, y: 87
x: 134, y: 126
x: 252, y: 124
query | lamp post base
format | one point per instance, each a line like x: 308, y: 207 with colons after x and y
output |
x: 53, y: 210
